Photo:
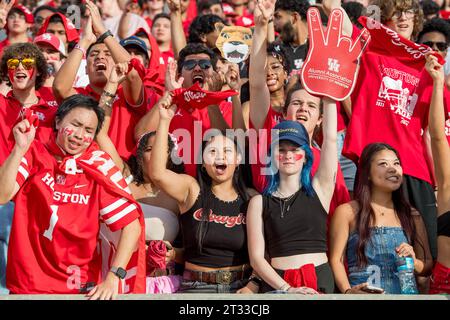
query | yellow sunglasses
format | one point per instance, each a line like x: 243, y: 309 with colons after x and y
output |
x: 27, y: 63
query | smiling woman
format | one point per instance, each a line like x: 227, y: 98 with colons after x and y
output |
x: 377, y: 227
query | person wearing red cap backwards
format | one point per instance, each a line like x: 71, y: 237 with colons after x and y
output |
x: 102, y: 52
x: 55, y: 54
x: 19, y: 21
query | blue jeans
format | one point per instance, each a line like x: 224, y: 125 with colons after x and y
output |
x: 380, y: 270
x: 6, y: 216
x: 348, y: 167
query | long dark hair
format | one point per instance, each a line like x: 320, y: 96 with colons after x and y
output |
x: 205, y: 183
x: 136, y: 162
x: 363, y: 194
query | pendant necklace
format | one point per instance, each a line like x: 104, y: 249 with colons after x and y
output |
x: 285, y: 206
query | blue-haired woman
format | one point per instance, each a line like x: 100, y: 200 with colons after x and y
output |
x: 286, y: 226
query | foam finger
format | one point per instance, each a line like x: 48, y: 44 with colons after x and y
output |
x: 361, y: 43
x: 315, y: 27
x: 334, y: 28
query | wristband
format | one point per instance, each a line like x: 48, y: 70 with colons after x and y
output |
x: 77, y: 46
x: 109, y: 94
x: 285, y: 287
x: 105, y: 35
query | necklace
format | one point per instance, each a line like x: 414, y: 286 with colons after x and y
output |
x: 151, y: 193
x: 285, y: 206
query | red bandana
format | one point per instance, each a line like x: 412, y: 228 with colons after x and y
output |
x: 156, y: 256
x: 387, y: 42
x: 197, y: 98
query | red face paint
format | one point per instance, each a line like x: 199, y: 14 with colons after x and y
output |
x: 87, y: 139
x: 297, y: 156
x: 11, y: 73
x: 30, y: 72
x: 67, y: 131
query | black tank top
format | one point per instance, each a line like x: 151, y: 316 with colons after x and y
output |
x: 301, y: 230
x: 225, y: 241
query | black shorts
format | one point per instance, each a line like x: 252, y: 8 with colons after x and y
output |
x: 325, y: 280
x: 421, y: 196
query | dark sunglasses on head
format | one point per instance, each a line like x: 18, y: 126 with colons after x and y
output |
x: 441, y: 46
x: 27, y: 63
x: 190, y: 64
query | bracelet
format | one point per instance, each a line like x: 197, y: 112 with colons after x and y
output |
x: 108, y: 103
x: 109, y: 94
x: 77, y: 46
x: 105, y: 35
x: 346, y: 291
x: 255, y: 280
x: 285, y: 287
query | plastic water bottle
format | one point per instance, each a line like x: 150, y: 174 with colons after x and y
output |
x: 405, y: 270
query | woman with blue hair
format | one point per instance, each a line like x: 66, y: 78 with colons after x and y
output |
x: 287, y: 238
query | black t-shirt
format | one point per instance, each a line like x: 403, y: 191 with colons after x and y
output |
x: 295, y: 55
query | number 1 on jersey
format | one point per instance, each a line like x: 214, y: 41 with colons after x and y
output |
x: 53, y: 220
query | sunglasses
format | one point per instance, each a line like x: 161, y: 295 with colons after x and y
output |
x: 190, y: 64
x: 27, y: 63
x: 441, y: 46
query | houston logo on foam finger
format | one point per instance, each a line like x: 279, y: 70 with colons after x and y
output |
x: 333, y: 65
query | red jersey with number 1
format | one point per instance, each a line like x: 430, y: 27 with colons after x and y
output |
x: 53, y: 243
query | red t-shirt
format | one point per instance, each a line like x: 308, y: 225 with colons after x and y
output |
x: 189, y: 129
x: 385, y: 109
x: 48, y: 96
x: 167, y: 57
x: 10, y: 110
x: 124, y: 118
x: 56, y: 223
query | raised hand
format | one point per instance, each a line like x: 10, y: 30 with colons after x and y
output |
x: 264, y: 10
x: 171, y: 81
x: 166, y: 108
x: 119, y: 73
x: 97, y: 23
x: 88, y: 33
x: 214, y: 82
x: 232, y: 77
x: 174, y: 5
x: 434, y: 68
x: 5, y: 6
x: 331, y: 67
x: 24, y: 134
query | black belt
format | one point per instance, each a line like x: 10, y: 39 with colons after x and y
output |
x: 218, y: 276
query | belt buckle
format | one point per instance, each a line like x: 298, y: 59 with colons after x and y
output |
x: 224, y: 277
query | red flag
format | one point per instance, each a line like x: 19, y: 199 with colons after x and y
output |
x: 197, y: 98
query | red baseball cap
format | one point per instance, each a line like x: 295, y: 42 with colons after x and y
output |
x: 52, y: 40
x: 245, y: 21
x: 28, y: 15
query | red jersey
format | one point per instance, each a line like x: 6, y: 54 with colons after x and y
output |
x: 189, y: 129
x: 48, y: 96
x: 58, y: 209
x: 167, y: 56
x: 10, y: 115
x: 124, y: 118
x: 385, y: 109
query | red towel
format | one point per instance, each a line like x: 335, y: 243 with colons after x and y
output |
x: 156, y: 256
x: 302, y: 277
